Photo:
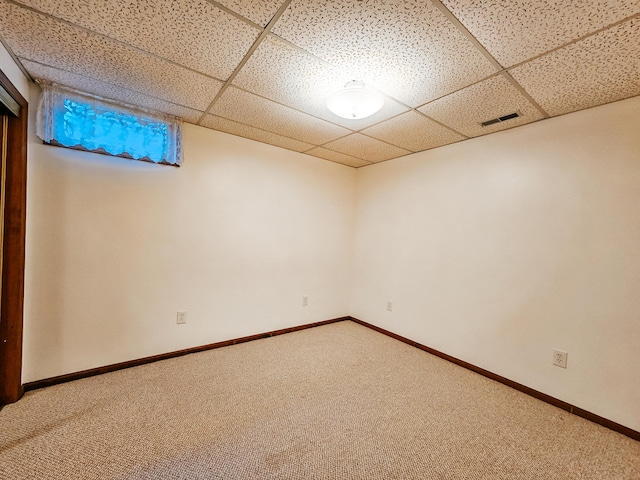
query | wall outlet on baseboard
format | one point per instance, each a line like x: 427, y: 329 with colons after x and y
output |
x: 305, y: 300
x: 560, y: 358
x: 181, y: 318
x: 389, y: 306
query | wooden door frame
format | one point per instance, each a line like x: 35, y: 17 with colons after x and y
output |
x: 13, y: 251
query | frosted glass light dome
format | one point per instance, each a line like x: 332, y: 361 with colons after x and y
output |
x: 355, y: 101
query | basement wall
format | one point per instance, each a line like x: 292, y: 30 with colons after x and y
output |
x: 235, y: 237
x: 499, y: 249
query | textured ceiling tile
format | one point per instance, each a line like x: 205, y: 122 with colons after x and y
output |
x: 414, y: 132
x: 259, y: 12
x: 337, y: 157
x: 241, y: 130
x: 367, y: 148
x: 408, y: 49
x: 514, y: 31
x: 193, y: 33
x: 495, y: 97
x: 256, y: 111
x: 75, y: 50
x: 96, y: 87
x: 600, y: 69
x: 292, y: 77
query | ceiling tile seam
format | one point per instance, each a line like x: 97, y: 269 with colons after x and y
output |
x: 327, y: 160
x: 577, y: 40
x: 359, y: 130
x: 115, y: 40
x: 289, y: 107
x: 399, y: 102
x: 335, y: 151
x: 351, y: 129
x: 410, y: 150
x: 373, y: 138
x: 400, y: 156
x: 246, y: 57
x: 15, y: 58
x: 227, y: 10
x: 313, y: 145
x: 109, y: 83
x: 386, y: 119
x: 415, y: 109
x: 460, y: 26
x: 333, y: 161
x: 483, y: 79
x: 300, y: 49
x: 464, y: 137
x: 265, y: 142
x: 324, y: 145
x: 323, y: 61
x: 515, y: 84
x: 393, y: 158
x: 508, y: 76
x: 526, y: 94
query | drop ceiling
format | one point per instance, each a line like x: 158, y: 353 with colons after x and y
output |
x: 263, y: 69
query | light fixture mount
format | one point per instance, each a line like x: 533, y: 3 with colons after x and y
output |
x: 355, y: 101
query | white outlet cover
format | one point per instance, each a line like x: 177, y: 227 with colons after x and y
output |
x: 560, y: 358
x: 181, y: 318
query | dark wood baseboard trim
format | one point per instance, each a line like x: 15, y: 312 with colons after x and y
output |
x: 47, y: 382
x: 518, y: 386
x: 486, y: 373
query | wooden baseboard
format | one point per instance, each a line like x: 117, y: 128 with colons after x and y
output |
x: 518, y: 386
x: 47, y: 382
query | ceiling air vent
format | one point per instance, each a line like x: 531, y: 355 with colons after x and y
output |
x: 500, y: 119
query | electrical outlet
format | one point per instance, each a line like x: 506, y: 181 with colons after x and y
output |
x: 389, y: 306
x: 560, y: 358
x: 181, y: 318
x: 305, y: 300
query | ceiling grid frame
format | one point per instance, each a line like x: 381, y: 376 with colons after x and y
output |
x: 245, y: 59
x: 111, y: 39
x: 90, y: 78
x: 577, y: 40
x: 453, y: 19
x: 614, y: 21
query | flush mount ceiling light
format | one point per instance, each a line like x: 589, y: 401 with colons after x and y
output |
x: 355, y: 101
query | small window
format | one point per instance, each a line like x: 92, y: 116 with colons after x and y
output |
x: 71, y: 119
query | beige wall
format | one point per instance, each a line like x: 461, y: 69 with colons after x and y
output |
x: 236, y: 237
x: 497, y: 250
x: 13, y: 73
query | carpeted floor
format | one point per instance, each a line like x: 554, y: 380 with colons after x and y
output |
x: 333, y: 402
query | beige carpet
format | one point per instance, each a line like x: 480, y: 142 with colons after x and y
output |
x: 334, y: 402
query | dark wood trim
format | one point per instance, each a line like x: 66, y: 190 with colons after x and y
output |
x: 47, y: 382
x: 518, y: 386
x: 13, y: 251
